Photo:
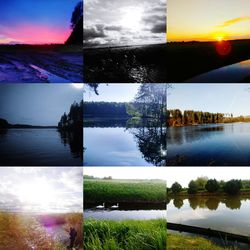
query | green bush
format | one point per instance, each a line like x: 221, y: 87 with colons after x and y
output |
x: 212, y: 185
x: 176, y: 188
x: 192, y: 187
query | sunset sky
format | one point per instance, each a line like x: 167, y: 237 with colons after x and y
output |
x: 35, y: 21
x: 203, y: 20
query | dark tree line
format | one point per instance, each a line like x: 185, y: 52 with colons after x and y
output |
x: 105, y: 109
x: 189, y: 117
x: 74, y: 119
x: 231, y: 187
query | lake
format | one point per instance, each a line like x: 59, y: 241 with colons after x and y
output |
x: 123, y: 143
x: 224, y: 213
x: 237, y: 72
x: 40, y: 147
x: 214, y: 144
x: 127, y: 212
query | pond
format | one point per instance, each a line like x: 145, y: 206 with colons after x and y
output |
x: 237, y: 72
x: 127, y: 212
x: 202, y: 145
x: 40, y: 147
x: 123, y: 142
x: 225, y: 213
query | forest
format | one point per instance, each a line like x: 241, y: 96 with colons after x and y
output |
x: 72, y: 120
x: 175, y: 117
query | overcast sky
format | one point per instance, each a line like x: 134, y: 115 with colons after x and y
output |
x: 217, y: 98
x: 38, y: 189
x: 184, y: 175
x: 37, y: 104
x: 124, y: 22
x: 35, y: 21
x: 112, y: 92
x: 145, y: 173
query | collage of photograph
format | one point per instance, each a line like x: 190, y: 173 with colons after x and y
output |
x: 124, y: 125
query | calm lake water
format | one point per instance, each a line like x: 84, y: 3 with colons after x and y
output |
x: 132, y: 212
x: 119, y: 143
x: 228, y: 214
x: 218, y: 144
x: 40, y: 147
x: 229, y: 74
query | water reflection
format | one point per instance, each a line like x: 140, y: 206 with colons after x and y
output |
x: 214, y: 144
x: 73, y: 138
x: 149, y: 137
x: 210, y: 202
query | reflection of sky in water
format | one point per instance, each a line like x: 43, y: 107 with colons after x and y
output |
x: 125, y: 215
x: 111, y: 147
x: 224, y: 219
x: 232, y: 73
x: 226, y: 145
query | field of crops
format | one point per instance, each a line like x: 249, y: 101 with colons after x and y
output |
x: 100, y: 190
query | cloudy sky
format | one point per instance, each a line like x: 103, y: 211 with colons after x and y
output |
x: 39, y: 189
x: 184, y: 175
x: 37, y: 104
x: 145, y: 173
x: 124, y: 22
x: 205, y: 20
x: 35, y: 21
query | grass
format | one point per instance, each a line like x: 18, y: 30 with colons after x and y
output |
x: 124, y: 191
x: 23, y: 232
x: 180, y: 242
x: 124, y: 235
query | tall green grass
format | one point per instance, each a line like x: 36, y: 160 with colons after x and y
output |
x: 125, y: 235
x: 124, y: 191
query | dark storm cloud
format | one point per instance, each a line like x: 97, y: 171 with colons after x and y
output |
x: 94, y: 32
x: 113, y: 28
x: 159, y: 28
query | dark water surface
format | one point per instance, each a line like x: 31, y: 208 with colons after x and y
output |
x: 40, y: 147
x: 123, y: 143
x: 217, y: 144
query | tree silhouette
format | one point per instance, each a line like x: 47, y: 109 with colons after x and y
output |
x: 77, y: 15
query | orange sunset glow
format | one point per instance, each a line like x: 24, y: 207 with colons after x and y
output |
x: 202, y: 20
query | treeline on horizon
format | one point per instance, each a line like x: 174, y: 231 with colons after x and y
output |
x: 203, y: 184
x: 74, y: 119
x: 176, y: 117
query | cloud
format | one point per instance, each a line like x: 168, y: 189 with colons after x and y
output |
x: 96, y: 31
x: 234, y: 21
x: 159, y: 28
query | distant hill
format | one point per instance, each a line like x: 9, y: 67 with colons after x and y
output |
x: 76, y: 36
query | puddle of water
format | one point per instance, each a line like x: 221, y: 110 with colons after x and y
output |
x: 49, y: 77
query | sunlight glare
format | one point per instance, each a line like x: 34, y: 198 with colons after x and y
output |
x: 131, y: 18
x: 77, y: 85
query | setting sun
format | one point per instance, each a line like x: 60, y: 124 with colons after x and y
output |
x: 220, y: 38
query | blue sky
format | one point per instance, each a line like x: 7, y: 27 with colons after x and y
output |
x: 112, y: 92
x: 224, y: 98
x: 37, y: 104
x: 35, y: 21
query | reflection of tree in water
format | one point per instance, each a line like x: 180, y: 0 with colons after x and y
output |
x: 178, y: 202
x: 212, y: 203
x: 193, y: 202
x: 233, y: 202
x: 73, y: 138
x: 151, y: 140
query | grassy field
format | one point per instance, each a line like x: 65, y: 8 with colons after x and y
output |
x: 99, y: 190
x: 180, y: 242
x: 27, y: 232
x: 125, y: 235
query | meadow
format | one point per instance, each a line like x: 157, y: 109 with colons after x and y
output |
x: 20, y: 231
x: 181, y: 242
x: 139, y: 191
x: 124, y: 235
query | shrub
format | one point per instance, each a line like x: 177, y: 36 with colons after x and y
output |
x: 192, y: 187
x: 176, y: 188
x: 212, y: 185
